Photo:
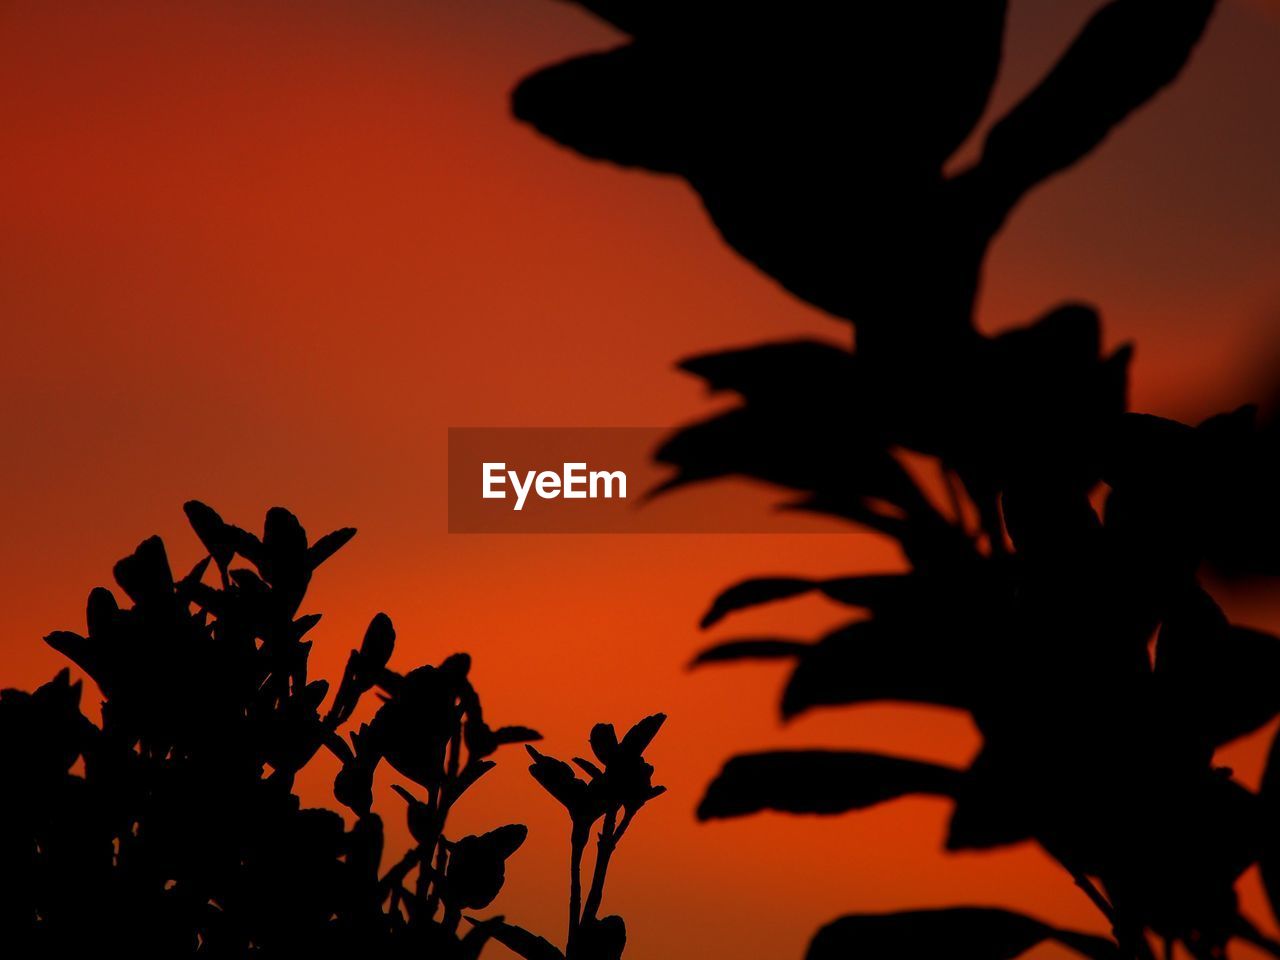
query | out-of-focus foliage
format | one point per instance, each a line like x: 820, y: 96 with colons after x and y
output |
x: 1052, y: 561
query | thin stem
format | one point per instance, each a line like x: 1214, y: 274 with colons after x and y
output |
x: 432, y: 877
x: 605, y: 846
x: 452, y: 917
x: 622, y: 827
x: 578, y: 845
x: 455, y: 752
x: 440, y: 801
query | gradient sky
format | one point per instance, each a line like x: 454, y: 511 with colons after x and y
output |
x: 265, y: 252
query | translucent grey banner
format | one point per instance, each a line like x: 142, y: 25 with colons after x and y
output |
x: 600, y: 480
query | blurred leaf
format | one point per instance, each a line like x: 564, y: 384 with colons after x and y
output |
x: 881, y: 660
x: 1125, y: 54
x: 976, y: 933
x: 507, y: 735
x: 783, y: 433
x: 819, y: 782
x: 865, y: 591
x: 751, y: 648
x: 1220, y: 678
x: 614, y: 105
x: 1270, y: 798
x: 989, y: 812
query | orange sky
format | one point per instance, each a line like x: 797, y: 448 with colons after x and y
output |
x: 265, y: 252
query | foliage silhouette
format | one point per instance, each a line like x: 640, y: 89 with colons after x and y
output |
x: 1054, y: 552
x: 171, y: 829
x: 752, y: 104
x: 619, y: 782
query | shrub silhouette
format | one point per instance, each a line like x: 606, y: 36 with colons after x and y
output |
x: 171, y: 829
x: 619, y: 782
x: 1052, y: 588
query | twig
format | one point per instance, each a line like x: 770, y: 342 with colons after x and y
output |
x: 578, y: 845
x: 607, y: 843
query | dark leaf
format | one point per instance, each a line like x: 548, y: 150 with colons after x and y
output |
x: 604, y: 741
x: 987, y: 812
x: 477, y: 866
x: 783, y: 435
x: 819, y: 782
x: 101, y: 612
x: 603, y: 939
x: 1220, y: 678
x: 284, y: 549
x: 328, y: 545
x: 212, y: 531
x: 523, y: 943
x: 1270, y: 798
x: 303, y: 625
x: 472, y: 943
x: 880, y: 660
x: 613, y: 105
x: 588, y: 767
x: 751, y: 648
x: 145, y: 575
x: 772, y: 369
x: 378, y: 644
x: 1121, y: 59
x: 866, y: 591
x: 472, y: 772
x: 753, y: 593
x: 506, y: 735
x: 196, y: 573
x: 79, y: 650
x: 559, y: 780
x: 976, y: 933
x: 641, y: 735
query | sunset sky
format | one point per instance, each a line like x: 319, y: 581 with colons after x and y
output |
x: 266, y: 252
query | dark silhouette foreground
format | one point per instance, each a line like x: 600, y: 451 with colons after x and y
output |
x: 1053, y: 546
x: 171, y: 829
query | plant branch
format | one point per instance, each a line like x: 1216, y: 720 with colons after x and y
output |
x: 578, y: 845
x: 608, y: 842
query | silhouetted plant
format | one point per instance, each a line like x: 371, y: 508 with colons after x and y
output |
x: 816, y: 135
x: 1099, y: 672
x: 171, y: 829
x: 618, y: 783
